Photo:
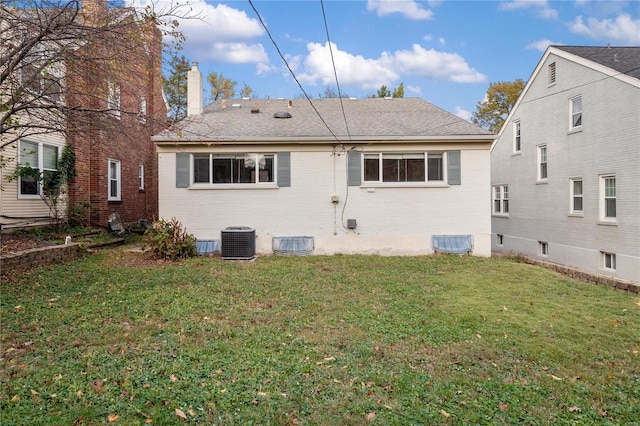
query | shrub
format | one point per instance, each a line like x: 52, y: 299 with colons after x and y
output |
x: 169, y: 240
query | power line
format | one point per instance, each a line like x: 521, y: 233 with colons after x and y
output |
x: 292, y: 73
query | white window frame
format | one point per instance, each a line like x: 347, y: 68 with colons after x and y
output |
x: 606, y: 195
x: 426, y: 155
x: 573, y: 196
x: 143, y: 110
x: 117, y: 179
x: 573, y: 111
x: 517, y: 137
x: 141, y: 177
x: 543, y: 248
x: 551, y: 74
x: 40, y: 166
x: 542, y: 159
x: 113, y: 98
x: 500, y: 204
x: 608, y: 261
x: 212, y: 156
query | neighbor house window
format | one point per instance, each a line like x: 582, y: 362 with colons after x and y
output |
x: 575, y: 188
x: 542, y: 163
x: 114, y: 180
x: 501, y: 199
x: 576, y: 112
x: 43, y: 159
x: 543, y: 248
x: 142, y: 115
x: 608, y: 198
x: 141, y: 177
x: 41, y: 75
x: 552, y: 73
x: 404, y: 167
x: 516, y: 137
x: 608, y: 261
x: 500, y: 239
x: 233, y: 168
x: 113, y: 98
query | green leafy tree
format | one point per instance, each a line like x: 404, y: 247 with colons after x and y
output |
x: 383, y: 92
x: 175, y: 87
x: 221, y: 87
x: 500, y: 99
x: 246, y: 91
x: 399, y: 91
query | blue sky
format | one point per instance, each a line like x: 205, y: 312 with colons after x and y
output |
x: 446, y: 52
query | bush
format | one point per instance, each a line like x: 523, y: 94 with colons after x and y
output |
x: 169, y: 240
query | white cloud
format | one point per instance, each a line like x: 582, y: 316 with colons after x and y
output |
x: 541, y: 45
x: 442, y: 40
x: 216, y: 33
x: 371, y: 73
x: 414, y: 89
x: 621, y: 30
x: 410, y: 9
x: 540, y: 8
x: 463, y: 113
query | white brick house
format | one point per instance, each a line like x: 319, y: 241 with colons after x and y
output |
x: 382, y: 178
x: 565, y: 168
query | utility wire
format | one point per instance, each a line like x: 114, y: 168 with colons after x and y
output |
x: 292, y: 73
x: 335, y: 73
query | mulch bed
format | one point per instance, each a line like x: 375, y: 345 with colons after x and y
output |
x: 15, y: 243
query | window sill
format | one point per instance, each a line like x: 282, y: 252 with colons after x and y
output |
x: 516, y: 153
x: 29, y: 197
x: 114, y: 201
x: 502, y: 216
x: 542, y: 182
x: 575, y: 130
x: 367, y: 185
x: 226, y: 186
x: 607, y: 223
x: 576, y: 215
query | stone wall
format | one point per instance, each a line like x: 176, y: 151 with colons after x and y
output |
x: 38, y: 257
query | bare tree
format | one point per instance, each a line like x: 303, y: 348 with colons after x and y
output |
x: 44, y: 42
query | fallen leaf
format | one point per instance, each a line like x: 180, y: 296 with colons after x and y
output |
x: 173, y: 378
x: 503, y: 406
x: 444, y: 413
x: 146, y: 385
x: 181, y: 414
x: 555, y: 377
x: 79, y: 393
x: 371, y: 416
x: 504, y: 308
x: 113, y: 418
x: 637, y: 303
x: 574, y: 409
x: 191, y: 412
x: 34, y: 392
x: 575, y: 378
x: 148, y: 421
x: 15, y: 398
x: 97, y: 386
x: 602, y: 412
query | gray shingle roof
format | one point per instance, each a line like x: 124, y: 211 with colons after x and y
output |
x: 371, y: 118
x: 625, y: 60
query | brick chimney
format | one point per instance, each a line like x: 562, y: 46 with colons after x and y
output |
x: 194, y: 90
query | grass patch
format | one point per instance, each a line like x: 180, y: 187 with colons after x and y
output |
x: 317, y: 340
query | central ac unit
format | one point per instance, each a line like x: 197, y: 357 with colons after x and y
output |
x: 238, y: 243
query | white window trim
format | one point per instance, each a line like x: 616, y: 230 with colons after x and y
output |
x: 117, y: 178
x: 501, y: 199
x: 601, y: 197
x: 572, y: 195
x: 543, y: 248
x: 573, y: 128
x: 443, y: 183
x: 539, y: 149
x: 113, y: 98
x: 143, y: 110
x: 141, y: 177
x: 612, y: 259
x: 517, y: 137
x: 253, y: 185
x: 38, y: 166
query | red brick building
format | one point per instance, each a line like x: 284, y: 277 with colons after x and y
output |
x: 114, y: 86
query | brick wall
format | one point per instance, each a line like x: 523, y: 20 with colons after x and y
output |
x: 39, y: 257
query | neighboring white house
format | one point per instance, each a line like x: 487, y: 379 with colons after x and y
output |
x: 378, y: 176
x: 565, y: 168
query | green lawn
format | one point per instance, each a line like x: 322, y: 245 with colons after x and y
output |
x: 342, y: 340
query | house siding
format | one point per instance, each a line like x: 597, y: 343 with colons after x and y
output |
x: 390, y: 220
x: 16, y: 211
x: 606, y: 144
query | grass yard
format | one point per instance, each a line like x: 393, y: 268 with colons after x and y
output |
x: 342, y: 340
